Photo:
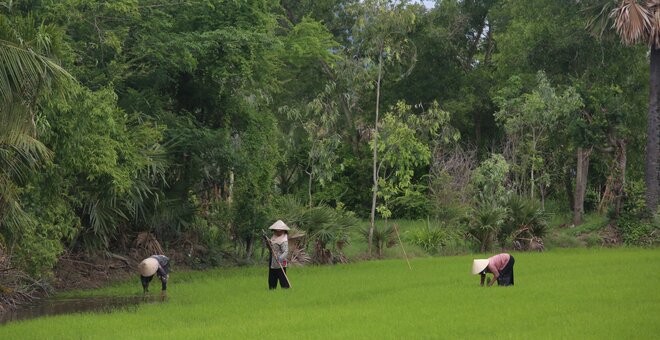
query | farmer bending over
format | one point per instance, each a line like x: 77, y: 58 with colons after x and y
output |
x: 500, y: 265
x: 155, y: 264
x: 279, y: 244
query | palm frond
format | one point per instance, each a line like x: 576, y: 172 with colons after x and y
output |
x: 598, y: 14
x: 24, y: 71
x: 632, y: 22
x: 19, y: 149
x: 13, y: 219
x: 291, y: 210
x: 654, y: 7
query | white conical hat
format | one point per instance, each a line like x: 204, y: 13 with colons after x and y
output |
x: 479, y: 265
x: 279, y: 225
x: 148, y: 267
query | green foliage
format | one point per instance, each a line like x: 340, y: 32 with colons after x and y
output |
x: 484, y: 225
x: 30, y: 52
x: 414, y: 203
x: 638, y: 232
x: 526, y: 221
x: 381, y: 30
x: 311, y: 40
x: 191, y: 117
x: 255, y: 167
x: 562, y: 240
x: 635, y: 227
x: 490, y: 177
x: 327, y: 228
x: 529, y: 119
x: 382, y: 237
x: 591, y: 200
x: 403, y: 147
x: 29, y: 76
x: 111, y: 163
x: 432, y: 237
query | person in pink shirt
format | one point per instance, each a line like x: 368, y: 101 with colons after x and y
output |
x: 500, y: 265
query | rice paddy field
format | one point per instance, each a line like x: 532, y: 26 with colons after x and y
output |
x: 559, y: 294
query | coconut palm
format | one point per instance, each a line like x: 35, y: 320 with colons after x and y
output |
x: 28, y: 71
x: 638, y: 22
x: 29, y: 60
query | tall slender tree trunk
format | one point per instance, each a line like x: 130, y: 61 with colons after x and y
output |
x: 230, y: 191
x: 532, y: 165
x: 372, y: 216
x: 620, y: 175
x: 249, y: 248
x: 580, y: 184
x: 309, y: 189
x: 653, y: 140
x: 568, y: 187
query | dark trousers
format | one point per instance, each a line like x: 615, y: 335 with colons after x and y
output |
x: 275, y: 275
x: 506, y: 274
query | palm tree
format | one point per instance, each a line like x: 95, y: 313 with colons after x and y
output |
x: 638, y: 22
x: 28, y: 71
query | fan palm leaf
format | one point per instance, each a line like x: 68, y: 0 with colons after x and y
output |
x: 633, y: 22
x: 291, y: 210
x: 654, y: 8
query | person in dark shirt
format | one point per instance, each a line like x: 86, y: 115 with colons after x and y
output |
x: 154, y: 265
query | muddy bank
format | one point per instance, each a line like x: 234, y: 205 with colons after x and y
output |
x: 72, y: 272
x: 82, y: 271
x: 56, y: 306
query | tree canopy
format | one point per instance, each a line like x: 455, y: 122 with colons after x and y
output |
x: 192, y: 120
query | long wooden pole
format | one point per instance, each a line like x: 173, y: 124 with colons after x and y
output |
x: 401, y: 243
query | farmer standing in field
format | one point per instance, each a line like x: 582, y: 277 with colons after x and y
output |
x: 279, y: 250
x: 500, y: 265
x: 154, y: 265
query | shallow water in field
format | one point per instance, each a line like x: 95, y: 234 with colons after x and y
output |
x: 96, y: 304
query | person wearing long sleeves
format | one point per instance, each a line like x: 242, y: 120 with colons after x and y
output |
x: 279, y: 243
x: 154, y: 265
x: 500, y: 265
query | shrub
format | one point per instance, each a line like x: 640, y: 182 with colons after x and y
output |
x: 484, y: 225
x: 640, y: 232
x: 382, y: 237
x: 412, y: 204
x: 592, y: 240
x: 634, y: 226
x: 591, y: 200
x: 562, y: 241
x: 432, y: 238
x: 526, y: 221
x: 326, y: 227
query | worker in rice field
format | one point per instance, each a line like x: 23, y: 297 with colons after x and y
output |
x: 279, y: 247
x: 500, y: 265
x: 154, y: 265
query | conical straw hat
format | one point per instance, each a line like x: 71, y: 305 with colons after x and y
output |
x: 479, y: 265
x: 148, y: 267
x: 279, y: 225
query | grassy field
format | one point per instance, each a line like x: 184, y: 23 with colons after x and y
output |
x: 561, y: 294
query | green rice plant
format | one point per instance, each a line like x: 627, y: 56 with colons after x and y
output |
x: 559, y: 294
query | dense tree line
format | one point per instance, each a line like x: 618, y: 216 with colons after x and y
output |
x: 202, y: 121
